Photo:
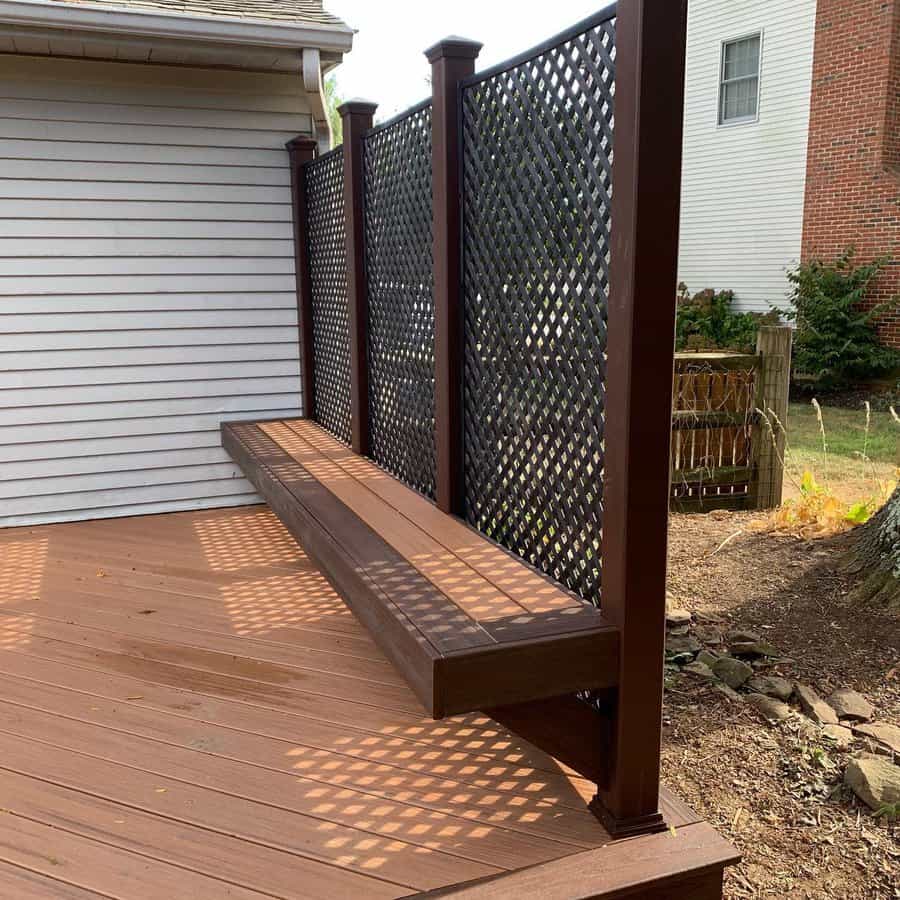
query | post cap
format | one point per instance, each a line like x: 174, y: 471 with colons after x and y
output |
x: 300, y: 143
x: 357, y: 107
x: 455, y: 48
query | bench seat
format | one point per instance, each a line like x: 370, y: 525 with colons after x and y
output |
x: 469, y: 625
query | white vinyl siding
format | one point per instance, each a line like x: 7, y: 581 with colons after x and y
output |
x: 743, y: 186
x: 147, y: 284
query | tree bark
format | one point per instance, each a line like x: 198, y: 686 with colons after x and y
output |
x: 876, y: 557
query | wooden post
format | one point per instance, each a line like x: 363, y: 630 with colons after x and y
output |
x: 452, y: 60
x: 356, y: 116
x: 300, y: 151
x: 649, y: 100
x: 773, y: 344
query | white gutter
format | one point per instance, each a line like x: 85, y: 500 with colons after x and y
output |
x: 175, y: 25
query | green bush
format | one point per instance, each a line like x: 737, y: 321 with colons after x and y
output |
x: 705, y: 321
x: 835, y: 343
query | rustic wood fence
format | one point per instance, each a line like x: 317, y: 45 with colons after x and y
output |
x: 728, y: 416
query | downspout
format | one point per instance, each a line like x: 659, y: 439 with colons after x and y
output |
x: 315, y: 90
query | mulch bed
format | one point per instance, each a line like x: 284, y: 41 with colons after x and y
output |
x: 880, y: 397
x: 774, y: 791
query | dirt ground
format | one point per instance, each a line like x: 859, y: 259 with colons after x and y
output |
x: 776, y: 791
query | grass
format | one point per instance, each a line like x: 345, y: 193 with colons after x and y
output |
x: 842, y: 469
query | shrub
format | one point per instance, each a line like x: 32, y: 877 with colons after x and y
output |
x: 705, y: 321
x: 835, y: 343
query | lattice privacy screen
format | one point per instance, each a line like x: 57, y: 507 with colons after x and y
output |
x: 537, y: 151
x: 324, y: 183
x: 400, y: 295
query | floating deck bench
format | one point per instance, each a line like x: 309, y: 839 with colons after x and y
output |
x: 470, y: 626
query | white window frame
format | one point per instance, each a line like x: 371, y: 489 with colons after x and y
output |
x: 746, y: 120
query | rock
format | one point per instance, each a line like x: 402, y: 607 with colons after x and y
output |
x: 772, y: 686
x: 874, y: 780
x: 675, y: 617
x: 883, y: 732
x: 707, y: 657
x: 730, y: 693
x: 771, y: 709
x: 752, y: 648
x: 851, y: 705
x: 699, y: 670
x: 842, y: 737
x: 676, y: 644
x: 708, y: 634
x: 679, y: 630
x: 741, y: 636
x: 702, y: 616
x: 732, y: 671
x: 814, y: 706
x: 681, y: 659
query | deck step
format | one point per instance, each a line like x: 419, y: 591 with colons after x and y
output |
x: 468, y: 625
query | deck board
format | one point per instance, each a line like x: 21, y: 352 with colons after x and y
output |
x: 245, y: 738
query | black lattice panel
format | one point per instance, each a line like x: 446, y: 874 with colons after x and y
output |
x: 401, y: 305
x: 328, y: 278
x: 537, y: 187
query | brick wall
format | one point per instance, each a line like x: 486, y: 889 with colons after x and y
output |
x: 853, y: 167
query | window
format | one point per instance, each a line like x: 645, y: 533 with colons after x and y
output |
x: 739, y: 88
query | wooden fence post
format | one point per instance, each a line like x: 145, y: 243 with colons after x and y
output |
x: 357, y: 116
x: 773, y: 344
x: 452, y: 60
x: 649, y: 100
x: 300, y: 151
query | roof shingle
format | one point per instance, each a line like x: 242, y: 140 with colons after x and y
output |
x: 287, y: 11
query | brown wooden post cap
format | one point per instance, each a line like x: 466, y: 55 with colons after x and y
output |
x: 357, y: 107
x: 303, y: 143
x: 455, y: 48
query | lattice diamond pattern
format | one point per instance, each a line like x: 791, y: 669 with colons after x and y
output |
x: 401, y: 303
x: 537, y: 187
x: 330, y: 306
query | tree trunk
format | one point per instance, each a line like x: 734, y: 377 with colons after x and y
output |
x: 876, y: 556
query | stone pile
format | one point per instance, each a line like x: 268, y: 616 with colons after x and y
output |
x: 742, y: 665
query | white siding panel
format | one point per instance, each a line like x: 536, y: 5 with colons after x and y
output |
x: 39, y: 437
x: 149, y: 337
x: 743, y: 185
x: 138, y: 230
x: 146, y: 282
x: 122, y: 151
x: 136, y: 209
x: 159, y: 192
x: 62, y: 360
x: 99, y: 303
x: 108, y: 248
x: 93, y: 171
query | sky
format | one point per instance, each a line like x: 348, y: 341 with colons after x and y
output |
x: 387, y: 64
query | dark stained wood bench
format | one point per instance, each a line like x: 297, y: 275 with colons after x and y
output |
x: 470, y: 626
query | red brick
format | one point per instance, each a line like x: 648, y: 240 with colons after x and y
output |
x: 853, y: 160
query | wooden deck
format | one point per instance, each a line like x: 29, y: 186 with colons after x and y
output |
x: 187, y: 709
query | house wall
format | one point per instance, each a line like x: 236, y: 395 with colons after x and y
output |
x: 853, y: 189
x: 146, y: 282
x: 743, y: 185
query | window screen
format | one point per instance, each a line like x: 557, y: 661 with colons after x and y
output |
x: 739, y: 89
